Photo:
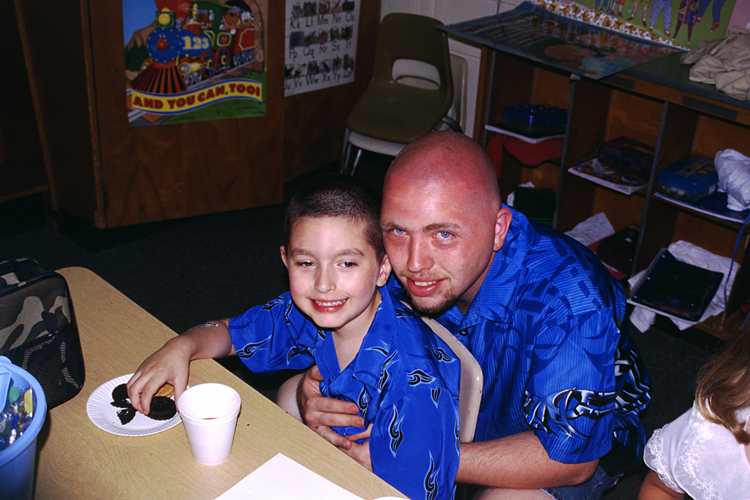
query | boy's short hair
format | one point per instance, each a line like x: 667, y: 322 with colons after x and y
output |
x: 337, y: 195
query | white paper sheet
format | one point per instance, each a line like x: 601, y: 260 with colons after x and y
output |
x: 592, y: 229
x: 281, y: 478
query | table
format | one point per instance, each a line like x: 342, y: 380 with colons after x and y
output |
x: 78, y: 460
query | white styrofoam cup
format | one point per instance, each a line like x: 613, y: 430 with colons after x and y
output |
x: 209, y: 413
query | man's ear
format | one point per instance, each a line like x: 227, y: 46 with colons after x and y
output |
x: 282, y: 249
x: 502, y: 226
x: 385, y: 271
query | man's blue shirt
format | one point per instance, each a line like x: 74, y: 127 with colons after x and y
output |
x: 404, y: 379
x: 543, y: 328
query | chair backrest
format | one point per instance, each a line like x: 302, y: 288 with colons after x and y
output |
x: 472, y: 380
x: 406, y: 40
x: 420, y: 74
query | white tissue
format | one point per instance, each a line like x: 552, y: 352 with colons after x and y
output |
x: 733, y: 169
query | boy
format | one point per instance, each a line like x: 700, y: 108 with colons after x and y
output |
x: 370, y: 348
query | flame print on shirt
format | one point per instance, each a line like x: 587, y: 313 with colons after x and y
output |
x: 296, y: 351
x: 435, y: 394
x: 419, y: 377
x: 385, y: 373
x: 363, y: 402
x: 559, y: 410
x: 430, y: 481
x: 395, y: 432
x: 250, y: 349
x: 441, y: 354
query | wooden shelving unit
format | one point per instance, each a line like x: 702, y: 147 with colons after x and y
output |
x: 655, y: 104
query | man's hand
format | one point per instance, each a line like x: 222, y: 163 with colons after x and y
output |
x: 360, y: 452
x: 321, y: 413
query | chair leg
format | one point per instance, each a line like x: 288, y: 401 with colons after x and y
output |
x: 356, y: 160
x: 345, y: 148
x: 345, y: 159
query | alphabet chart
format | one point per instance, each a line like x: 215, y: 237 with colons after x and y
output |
x: 320, y: 44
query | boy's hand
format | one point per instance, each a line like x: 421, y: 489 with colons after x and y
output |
x: 320, y: 413
x: 170, y: 364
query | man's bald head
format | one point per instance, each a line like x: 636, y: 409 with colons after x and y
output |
x: 448, y: 158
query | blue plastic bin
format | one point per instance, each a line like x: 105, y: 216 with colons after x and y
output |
x: 17, y: 460
x: 690, y: 179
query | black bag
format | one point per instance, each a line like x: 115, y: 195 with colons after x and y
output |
x: 38, y: 329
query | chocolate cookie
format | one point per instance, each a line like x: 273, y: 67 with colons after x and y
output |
x: 126, y: 415
x: 120, y: 394
x: 162, y: 408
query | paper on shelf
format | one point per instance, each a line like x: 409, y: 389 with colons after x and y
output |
x: 592, y: 229
x: 281, y: 478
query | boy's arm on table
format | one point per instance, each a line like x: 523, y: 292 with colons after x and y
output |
x: 518, y: 462
x: 654, y: 488
x: 171, y: 363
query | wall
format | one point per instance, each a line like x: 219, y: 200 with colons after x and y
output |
x: 314, y: 122
x: 451, y: 12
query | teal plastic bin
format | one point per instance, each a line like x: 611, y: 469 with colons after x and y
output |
x: 17, y: 460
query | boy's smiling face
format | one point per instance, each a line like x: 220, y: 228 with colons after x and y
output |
x: 334, y: 273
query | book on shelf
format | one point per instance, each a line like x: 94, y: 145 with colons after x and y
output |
x: 714, y: 205
x: 675, y: 288
x: 607, y: 176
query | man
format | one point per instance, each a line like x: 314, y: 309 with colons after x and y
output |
x: 563, y: 384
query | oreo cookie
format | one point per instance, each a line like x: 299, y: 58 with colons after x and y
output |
x: 162, y: 408
x: 120, y: 395
x: 126, y: 415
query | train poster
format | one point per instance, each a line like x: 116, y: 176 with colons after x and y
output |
x: 194, y: 60
x: 320, y: 44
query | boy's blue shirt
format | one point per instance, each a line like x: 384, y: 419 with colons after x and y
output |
x: 404, y: 379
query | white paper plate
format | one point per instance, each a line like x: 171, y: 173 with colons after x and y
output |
x: 104, y: 415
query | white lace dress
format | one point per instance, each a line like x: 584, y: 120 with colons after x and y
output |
x: 697, y: 457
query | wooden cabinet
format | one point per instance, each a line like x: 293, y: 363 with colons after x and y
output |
x: 655, y: 104
x: 106, y: 172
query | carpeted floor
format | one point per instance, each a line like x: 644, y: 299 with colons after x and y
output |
x: 189, y: 271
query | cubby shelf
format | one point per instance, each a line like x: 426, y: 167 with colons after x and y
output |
x: 655, y: 104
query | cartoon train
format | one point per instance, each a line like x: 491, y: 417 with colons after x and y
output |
x: 187, y: 49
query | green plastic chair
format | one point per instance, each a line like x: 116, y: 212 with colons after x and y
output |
x: 411, y: 90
